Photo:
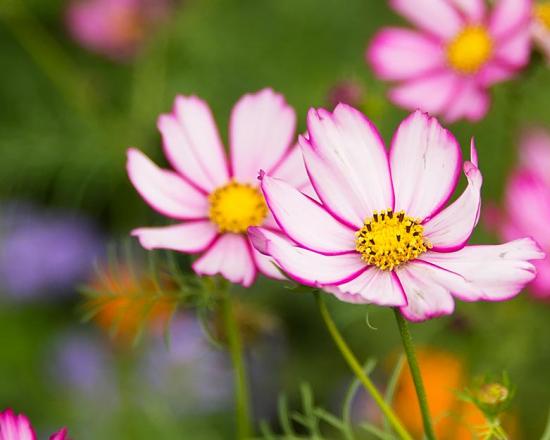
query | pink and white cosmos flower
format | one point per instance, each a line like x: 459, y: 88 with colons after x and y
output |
x: 382, y: 233
x: 18, y: 427
x: 527, y: 203
x: 216, y: 200
x: 462, y: 48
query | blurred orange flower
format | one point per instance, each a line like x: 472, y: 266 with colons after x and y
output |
x: 125, y: 304
x: 444, y: 374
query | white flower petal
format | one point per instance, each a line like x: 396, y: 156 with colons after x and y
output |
x: 261, y: 130
x: 164, y: 190
x: 425, y: 165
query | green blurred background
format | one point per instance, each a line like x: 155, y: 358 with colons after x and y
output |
x: 66, y: 119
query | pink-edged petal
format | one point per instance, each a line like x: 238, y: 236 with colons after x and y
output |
x: 192, y: 143
x: 452, y: 227
x: 304, y: 220
x: 261, y: 129
x: 191, y: 237
x: 231, y: 257
x: 15, y: 427
x: 438, y: 17
x: 321, y: 173
x: 164, y: 190
x: 528, y: 205
x: 494, y: 272
x: 514, y: 51
x: 494, y: 72
x: 431, y: 93
x: 292, y: 169
x: 535, y: 153
x: 471, y: 102
x: 60, y: 435
x: 305, y: 266
x: 474, y: 10
x: 374, y: 286
x: 509, y: 16
x: 399, y: 54
x: 345, y: 297
x: 425, y: 161
x: 351, y: 150
x: 266, y: 265
x: 427, y: 297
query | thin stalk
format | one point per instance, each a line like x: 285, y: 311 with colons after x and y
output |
x: 244, y: 425
x: 408, y: 345
x: 356, y: 367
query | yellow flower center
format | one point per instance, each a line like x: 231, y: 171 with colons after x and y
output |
x: 237, y: 206
x: 389, y: 239
x: 470, y: 49
x: 542, y: 13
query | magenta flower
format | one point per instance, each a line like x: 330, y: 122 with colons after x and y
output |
x: 18, y: 427
x: 217, y: 200
x: 115, y: 28
x: 381, y: 233
x: 541, y: 28
x: 462, y: 49
x: 527, y: 203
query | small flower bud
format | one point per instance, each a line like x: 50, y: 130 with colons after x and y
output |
x: 493, y: 394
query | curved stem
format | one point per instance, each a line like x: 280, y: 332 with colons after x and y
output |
x: 408, y: 345
x: 244, y: 429
x: 359, y: 372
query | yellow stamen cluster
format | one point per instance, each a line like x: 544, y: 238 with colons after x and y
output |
x: 542, y: 13
x: 470, y: 50
x: 237, y: 206
x: 389, y: 239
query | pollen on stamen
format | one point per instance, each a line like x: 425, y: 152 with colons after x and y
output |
x: 468, y: 52
x: 388, y: 240
x: 236, y: 206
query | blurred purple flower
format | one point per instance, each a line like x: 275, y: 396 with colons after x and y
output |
x: 114, y: 28
x: 195, y: 376
x: 190, y: 374
x: 44, y: 252
x: 81, y: 365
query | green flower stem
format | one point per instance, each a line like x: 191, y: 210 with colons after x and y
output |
x: 359, y: 372
x: 244, y: 425
x: 408, y: 345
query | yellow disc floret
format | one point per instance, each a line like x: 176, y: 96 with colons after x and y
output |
x: 389, y: 239
x: 237, y: 206
x: 542, y: 13
x: 470, y: 50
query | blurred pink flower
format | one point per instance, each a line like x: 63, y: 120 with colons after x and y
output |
x: 382, y: 233
x: 527, y: 203
x: 541, y: 27
x: 18, y: 427
x: 115, y: 28
x: 217, y: 199
x: 462, y: 48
